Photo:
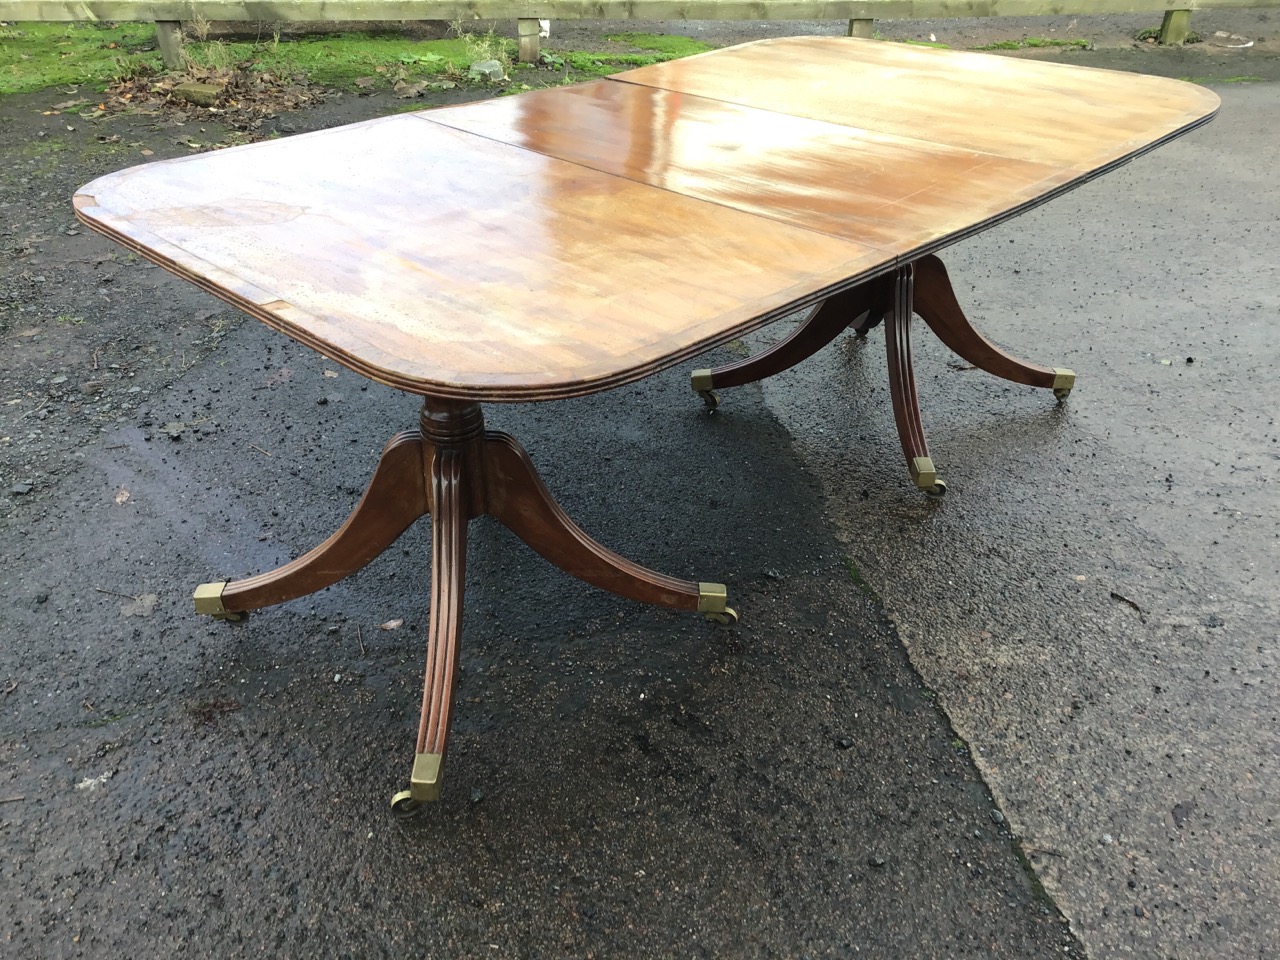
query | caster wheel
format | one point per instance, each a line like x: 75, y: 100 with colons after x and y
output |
x: 873, y: 319
x: 1062, y: 393
x: 241, y: 617
x: 937, y: 491
x: 404, y: 807
x: 729, y: 616
x: 710, y: 398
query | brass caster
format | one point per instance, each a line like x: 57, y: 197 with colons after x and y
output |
x: 873, y: 319
x: 208, y: 601
x: 404, y: 807
x: 726, y: 616
x: 700, y: 381
x: 926, y: 477
x: 1063, y: 381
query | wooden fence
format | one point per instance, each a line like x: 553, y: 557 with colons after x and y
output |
x: 861, y: 14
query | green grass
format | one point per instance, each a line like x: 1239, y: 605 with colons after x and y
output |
x: 339, y: 60
x: 860, y: 581
x: 1221, y: 79
x: 603, y: 64
x: 35, y: 56
x: 662, y: 48
x: 1035, y: 43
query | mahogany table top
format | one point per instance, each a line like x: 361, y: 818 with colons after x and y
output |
x: 564, y: 241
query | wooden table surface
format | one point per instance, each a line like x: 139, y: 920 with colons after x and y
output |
x: 566, y: 241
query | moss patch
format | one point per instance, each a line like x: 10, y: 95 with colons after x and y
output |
x: 340, y: 60
x: 1204, y: 80
x: 1034, y: 43
x: 34, y: 56
x: 661, y: 46
x: 860, y: 581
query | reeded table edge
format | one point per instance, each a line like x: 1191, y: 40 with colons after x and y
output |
x: 84, y: 202
x: 488, y: 393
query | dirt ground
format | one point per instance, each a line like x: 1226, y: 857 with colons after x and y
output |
x: 169, y: 783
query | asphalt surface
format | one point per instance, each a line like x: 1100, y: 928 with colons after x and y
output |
x: 1084, y: 628
x: 1096, y: 600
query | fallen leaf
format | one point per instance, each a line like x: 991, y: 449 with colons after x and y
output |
x: 144, y: 606
x: 406, y: 90
x: 393, y: 625
x: 147, y: 153
x: 93, y: 783
x: 366, y: 81
x: 331, y: 373
x: 282, y: 375
x: 122, y: 496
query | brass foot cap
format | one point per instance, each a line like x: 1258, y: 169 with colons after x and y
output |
x: 427, y: 778
x: 1063, y: 381
x: 924, y: 473
x: 208, y: 598
x: 700, y: 380
x: 712, y: 598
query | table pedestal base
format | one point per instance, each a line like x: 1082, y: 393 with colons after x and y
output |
x: 452, y: 470
x: 923, y: 288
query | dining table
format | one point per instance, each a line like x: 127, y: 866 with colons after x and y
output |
x: 572, y: 239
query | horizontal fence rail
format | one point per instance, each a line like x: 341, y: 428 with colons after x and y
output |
x: 861, y: 14
x: 338, y: 10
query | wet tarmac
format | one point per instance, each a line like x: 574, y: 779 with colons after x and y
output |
x: 1059, y: 674
x: 1095, y: 601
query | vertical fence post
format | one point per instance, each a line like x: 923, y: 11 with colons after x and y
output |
x: 1176, y: 26
x: 527, y: 30
x: 862, y: 28
x: 169, y: 40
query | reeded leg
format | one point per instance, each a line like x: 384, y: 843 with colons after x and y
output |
x: 449, y: 519
x: 823, y: 325
x: 454, y: 470
x: 395, y: 498
x: 517, y: 497
x: 902, y: 386
x: 936, y: 302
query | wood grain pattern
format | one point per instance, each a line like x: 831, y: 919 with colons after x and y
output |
x: 935, y: 301
x: 827, y: 321
x: 1079, y: 118
x: 897, y: 194
x: 451, y: 265
x: 517, y: 498
x: 448, y: 580
x: 902, y: 375
x: 395, y: 498
x: 567, y: 242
